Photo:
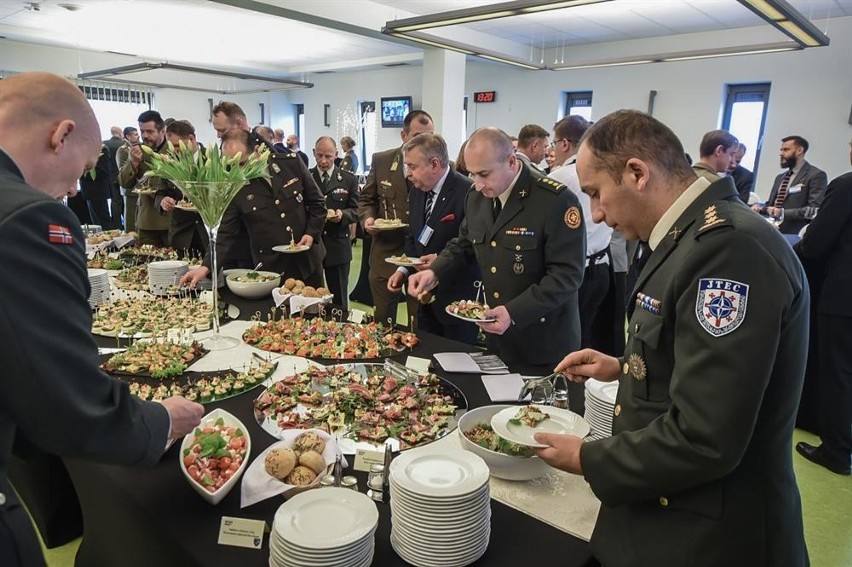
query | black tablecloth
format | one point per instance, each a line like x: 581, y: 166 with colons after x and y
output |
x: 153, y: 517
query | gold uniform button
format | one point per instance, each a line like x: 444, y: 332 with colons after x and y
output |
x: 493, y: 269
x: 277, y: 201
x: 517, y: 247
x: 617, y: 410
x: 283, y: 215
x: 541, y: 320
x: 625, y: 369
x: 496, y: 295
x: 664, y: 501
x: 254, y: 208
x: 493, y: 244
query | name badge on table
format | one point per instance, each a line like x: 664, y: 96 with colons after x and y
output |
x: 795, y: 189
x: 425, y: 235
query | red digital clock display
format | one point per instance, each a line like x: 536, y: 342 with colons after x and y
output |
x: 485, y: 96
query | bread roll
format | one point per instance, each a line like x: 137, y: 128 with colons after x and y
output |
x: 313, y: 461
x: 280, y: 462
x: 301, y: 476
x: 309, y: 441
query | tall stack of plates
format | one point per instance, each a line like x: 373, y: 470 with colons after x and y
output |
x: 99, y: 281
x: 327, y: 526
x: 600, y: 404
x: 440, y: 508
x: 164, y: 276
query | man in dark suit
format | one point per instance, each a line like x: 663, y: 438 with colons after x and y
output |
x: 116, y: 202
x: 798, y: 191
x: 340, y: 189
x: 293, y: 146
x: 385, y: 196
x: 96, y: 186
x: 436, y: 211
x: 531, y: 251
x: 52, y: 391
x: 699, y: 470
x: 743, y: 178
x: 287, y: 207
x: 827, y: 245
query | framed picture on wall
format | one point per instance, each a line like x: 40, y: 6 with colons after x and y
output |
x: 394, y: 110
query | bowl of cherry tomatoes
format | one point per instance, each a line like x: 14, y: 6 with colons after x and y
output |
x: 215, y: 455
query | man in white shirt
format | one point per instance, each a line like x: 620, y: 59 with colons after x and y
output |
x: 567, y: 134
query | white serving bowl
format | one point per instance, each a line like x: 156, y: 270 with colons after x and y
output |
x: 252, y: 290
x: 231, y: 421
x: 501, y: 465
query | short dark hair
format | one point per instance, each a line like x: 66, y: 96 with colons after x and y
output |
x: 229, y: 109
x: 421, y: 116
x: 530, y: 133
x: 571, y: 128
x: 431, y: 145
x: 182, y: 128
x: 239, y: 136
x: 799, y: 141
x: 715, y: 138
x: 128, y: 130
x: 152, y: 116
x: 627, y: 134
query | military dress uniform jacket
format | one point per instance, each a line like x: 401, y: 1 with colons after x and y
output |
x: 699, y: 469
x: 184, y: 224
x: 148, y: 216
x: 445, y: 220
x: 804, y: 197
x: 266, y: 208
x: 341, y: 193
x: 62, y: 402
x: 532, y: 260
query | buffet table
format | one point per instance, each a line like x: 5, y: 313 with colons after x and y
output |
x: 153, y: 517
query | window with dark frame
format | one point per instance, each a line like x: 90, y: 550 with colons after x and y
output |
x: 745, y: 117
x: 579, y: 103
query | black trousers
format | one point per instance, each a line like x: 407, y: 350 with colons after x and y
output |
x: 362, y: 293
x: 99, y: 212
x: 462, y: 331
x: 835, y: 385
x: 337, y: 281
x: 590, y: 297
x: 18, y: 543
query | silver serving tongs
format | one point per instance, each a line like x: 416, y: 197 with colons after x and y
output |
x: 400, y: 372
x: 554, y: 389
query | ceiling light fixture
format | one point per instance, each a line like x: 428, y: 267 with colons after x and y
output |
x: 466, y: 49
x: 789, y: 20
x: 481, y: 13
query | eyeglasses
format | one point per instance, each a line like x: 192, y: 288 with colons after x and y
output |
x: 554, y: 142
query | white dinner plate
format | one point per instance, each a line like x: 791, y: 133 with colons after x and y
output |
x: 188, y: 208
x: 561, y: 421
x: 451, y: 505
x: 287, y: 249
x: 449, y: 311
x: 327, y: 518
x: 389, y: 227
x: 407, y: 261
x: 439, y: 475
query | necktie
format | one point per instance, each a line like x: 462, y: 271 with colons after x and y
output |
x: 324, y: 178
x: 497, y: 206
x: 430, y: 199
x: 782, y: 190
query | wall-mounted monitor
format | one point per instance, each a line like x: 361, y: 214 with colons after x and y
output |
x: 394, y: 110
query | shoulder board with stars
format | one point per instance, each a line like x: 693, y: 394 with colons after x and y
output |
x: 551, y: 185
x: 714, y: 216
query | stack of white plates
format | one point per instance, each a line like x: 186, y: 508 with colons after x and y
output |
x: 165, y: 276
x: 99, y: 281
x: 600, y: 404
x: 327, y: 526
x: 440, y: 508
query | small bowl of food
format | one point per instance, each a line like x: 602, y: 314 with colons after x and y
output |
x: 252, y: 284
x: 215, y: 455
x: 505, y: 460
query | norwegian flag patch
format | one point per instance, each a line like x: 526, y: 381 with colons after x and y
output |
x: 57, y: 234
x: 721, y: 305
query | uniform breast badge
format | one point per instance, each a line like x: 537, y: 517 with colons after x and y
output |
x: 275, y: 168
x: 299, y: 197
x: 250, y: 197
x: 395, y: 165
x: 637, y: 367
x: 648, y: 303
x: 518, y: 266
x: 572, y: 218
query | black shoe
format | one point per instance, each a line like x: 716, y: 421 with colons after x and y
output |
x: 821, y: 457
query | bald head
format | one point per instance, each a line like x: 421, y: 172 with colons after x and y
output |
x: 115, y: 131
x: 496, y: 140
x: 48, y: 127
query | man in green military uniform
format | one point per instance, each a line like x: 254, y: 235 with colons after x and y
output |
x: 699, y: 469
x: 287, y: 208
x: 531, y: 255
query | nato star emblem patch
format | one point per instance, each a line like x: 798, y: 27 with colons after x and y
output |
x: 721, y: 305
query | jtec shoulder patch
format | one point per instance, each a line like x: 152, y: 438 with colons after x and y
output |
x: 721, y: 305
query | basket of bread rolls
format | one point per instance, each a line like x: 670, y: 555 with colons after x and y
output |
x: 290, y: 466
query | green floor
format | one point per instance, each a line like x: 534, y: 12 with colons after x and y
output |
x: 826, y: 497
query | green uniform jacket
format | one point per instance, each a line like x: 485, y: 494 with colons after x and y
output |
x: 699, y: 469
x: 266, y: 209
x: 532, y: 260
x: 51, y: 389
x: 148, y: 215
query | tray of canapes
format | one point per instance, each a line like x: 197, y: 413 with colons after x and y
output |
x: 330, y: 340
x: 388, y: 224
x: 370, y: 402
x: 148, y: 316
x: 469, y: 310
